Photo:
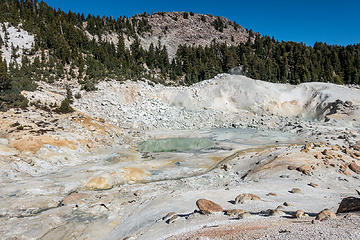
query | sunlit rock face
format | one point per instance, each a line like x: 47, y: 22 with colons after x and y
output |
x: 175, y: 145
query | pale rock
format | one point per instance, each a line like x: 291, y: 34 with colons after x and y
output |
x: 325, y: 214
x: 241, y: 198
x: 206, y: 206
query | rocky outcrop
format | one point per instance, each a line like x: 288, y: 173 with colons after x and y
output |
x: 178, y: 28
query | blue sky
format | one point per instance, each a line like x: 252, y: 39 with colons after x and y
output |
x: 334, y: 22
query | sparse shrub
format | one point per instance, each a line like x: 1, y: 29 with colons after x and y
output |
x: 65, y: 107
x: 218, y: 24
x: 69, y: 95
x: 89, y: 86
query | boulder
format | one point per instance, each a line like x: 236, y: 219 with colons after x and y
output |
x: 349, y: 204
x: 325, y: 214
x: 206, y: 206
x: 241, y: 198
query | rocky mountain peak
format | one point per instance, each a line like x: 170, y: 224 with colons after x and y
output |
x: 179, y: 28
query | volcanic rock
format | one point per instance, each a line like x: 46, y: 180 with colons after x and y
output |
x: 206, y: 206
x: 349, y: 204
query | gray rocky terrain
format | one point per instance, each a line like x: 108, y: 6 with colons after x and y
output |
x: 266, y: 158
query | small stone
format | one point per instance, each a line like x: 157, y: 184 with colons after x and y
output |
x: 327, y: 152
x: 271, y: 194
x: 233, y: 212
x: 318, y: 155
x: 305, y: 169
x: 325, y: 214
x: 226, y: 167
x: 295, y: 190
x: 137, y: 193
x: 314, y: 185
x: 346, y: 172
x: 298, y: 214
x: 206, y: 206
x: 168, y: 216
x: 244, y: 215
x: 287, y: 204
x: 280, y: 207
x: 291, y: 167
x: 241, y: 198
x: 172, y: 219
x: 354, y: 167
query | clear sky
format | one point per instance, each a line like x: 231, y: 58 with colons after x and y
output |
x: 308, y: 21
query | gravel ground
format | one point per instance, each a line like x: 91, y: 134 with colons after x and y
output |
x: 344, y: 227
